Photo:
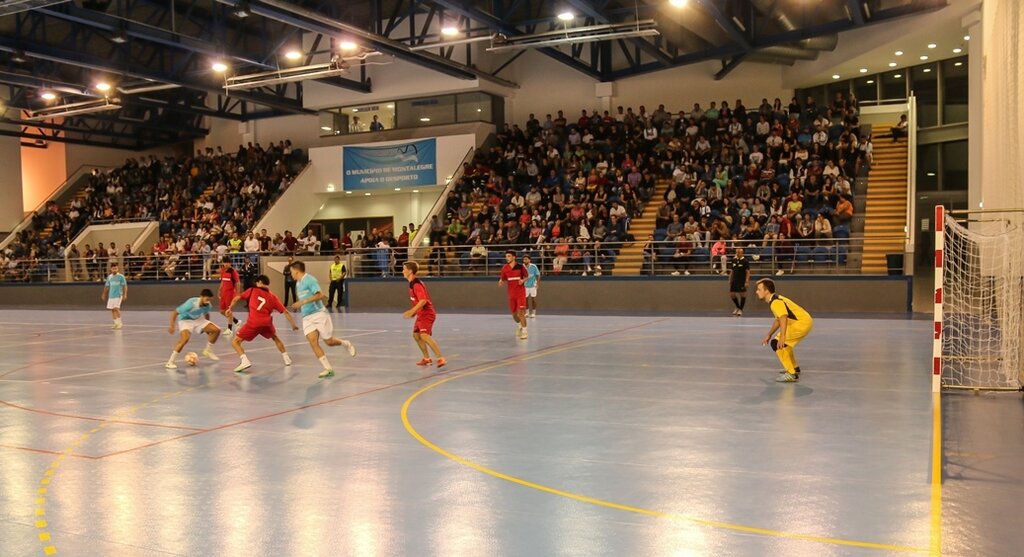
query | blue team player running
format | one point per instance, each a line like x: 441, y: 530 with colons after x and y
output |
x: 193, y: 316
x: 115, y: 291
x: 316, y: 322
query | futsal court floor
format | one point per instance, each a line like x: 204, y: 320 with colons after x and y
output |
x: 631, y: 436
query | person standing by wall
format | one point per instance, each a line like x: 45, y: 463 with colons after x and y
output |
x: 338, y: 272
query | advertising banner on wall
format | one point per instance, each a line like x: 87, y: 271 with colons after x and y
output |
x: 397, y: 165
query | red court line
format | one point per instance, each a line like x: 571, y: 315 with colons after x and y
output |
x: 46, y: 451
x: 91, y: 419
x: 379, y: 389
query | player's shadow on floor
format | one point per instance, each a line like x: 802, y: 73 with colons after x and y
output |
x: 304, y: 418
x: 774, y: 392
x: 258, y: 382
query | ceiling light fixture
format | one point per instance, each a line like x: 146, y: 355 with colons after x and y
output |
x: 74, y: 109
x: 871, y: 81
x: 566, y: 16
x: 678, y: 3
x: 103, y: 86
x: 327, y: 128
x: 449, y: 31
x: 348, y: 192
x: 337, y: 66
x: 899, y: 53
x: 576, y: 35
x: 348, y: 45
x: 863, y: 70
x: 367, y: 194
x: 967, y: 37
x: 923, y: 57
x: 242, y: 10
x: 892, y: 64
x: 398, y: 189
x: 293, y: 55
x: 958, y: 64
x: 927, y: 70
x: 897, y: 76
x: 932, y: 45
x: 219, y: 67
x: 48, y: 95
x: 835, y: 76
x: 415, y: 191
x: 424, y: 119
x: 957, y: 50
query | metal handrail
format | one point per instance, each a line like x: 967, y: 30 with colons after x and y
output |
x: 56, y: 195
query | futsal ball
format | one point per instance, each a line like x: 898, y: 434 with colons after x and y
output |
x: 192, y: 358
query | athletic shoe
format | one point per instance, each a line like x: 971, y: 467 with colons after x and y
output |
x: 171, y: 365
x: 523, y: 334
x: 117, y: 326
x: 209, y: 354
x: 226, y: 332
x: 350, y: 347
x: 739, y: 313
x: 736, y: 312
x: 675, y: 273
x: 326, y: 374
x: 425, y: 362
x: 779, y: 273
x: 441, y: 362
x: 786, y: 377
x: 687, y: 273
x: 242, y: 367
x: 287, y: 361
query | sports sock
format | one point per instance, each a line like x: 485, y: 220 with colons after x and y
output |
x: 742, y: 302
x: 234, y: 321
x: 209, y: 346
x: 286, y: 357
x: 244, y: 359
x: 174, y: 355
x: 325, y: 363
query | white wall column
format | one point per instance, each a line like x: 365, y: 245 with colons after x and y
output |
x: 972, y: 24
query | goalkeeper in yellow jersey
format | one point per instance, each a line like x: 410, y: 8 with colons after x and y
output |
x: 793, y: 324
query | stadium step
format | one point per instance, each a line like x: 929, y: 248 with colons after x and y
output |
x: 631, y: 257
x: 885, y: 207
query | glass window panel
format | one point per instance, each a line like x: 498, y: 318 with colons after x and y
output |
x: 473, y: 107
x: 954, y: 90
x: 429, y: 111
x: 894, y: 85
x: 928, y: 167
x: 866, y: 88
x: 925, y: 85
x: 954, y: 165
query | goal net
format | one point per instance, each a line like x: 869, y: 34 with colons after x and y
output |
x: 982, y: 304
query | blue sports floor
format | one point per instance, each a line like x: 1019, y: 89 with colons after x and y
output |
x: 598, y: 436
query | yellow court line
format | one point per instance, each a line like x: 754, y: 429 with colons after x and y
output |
x: 936, y: 504
x: 609, y: 504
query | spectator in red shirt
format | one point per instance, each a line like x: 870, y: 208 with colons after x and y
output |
x: 423, y: 310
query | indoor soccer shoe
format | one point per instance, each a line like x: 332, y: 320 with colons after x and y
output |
x: 786, y: 377
x: 171, y: 365
x: 326, y: 374
x: 209, y: 354
x: 350, y: 347
x: 425, y: 362
x: 243, y: 367
x: 441, y: 362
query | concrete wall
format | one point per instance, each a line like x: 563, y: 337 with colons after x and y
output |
x: 570, y: 295
x: 12, y: 209
x: 641, y: 296
x: 140, y: 235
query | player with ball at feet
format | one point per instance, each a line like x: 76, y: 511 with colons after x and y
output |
x: 193, y: 316
x: 262, y: 305
x: 793, y: 324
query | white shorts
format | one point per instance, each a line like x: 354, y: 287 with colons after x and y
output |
x: 193, y: 325
x: 319, y: 322
x: 113, y: 303
x: 531, y: 292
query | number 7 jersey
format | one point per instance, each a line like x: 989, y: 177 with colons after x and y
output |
x: 262, y: 305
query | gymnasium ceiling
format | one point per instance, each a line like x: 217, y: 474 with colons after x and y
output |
x: 156, y: 54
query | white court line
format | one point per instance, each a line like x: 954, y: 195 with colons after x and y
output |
x: 366, y: 332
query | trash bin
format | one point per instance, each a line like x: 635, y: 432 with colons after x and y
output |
x: 894, y: 262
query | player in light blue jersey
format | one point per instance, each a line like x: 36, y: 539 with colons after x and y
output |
x: 193, y: 316
x: 531, y: 283
x: 115, y: 291
x: 316, y: 322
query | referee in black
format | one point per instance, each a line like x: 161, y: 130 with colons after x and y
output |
x: 739, y: 281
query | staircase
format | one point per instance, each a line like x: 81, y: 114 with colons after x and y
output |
x: 885, y: 213
x: 631, y: 257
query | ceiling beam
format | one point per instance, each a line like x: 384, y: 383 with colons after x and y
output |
x: 728, y: 25
x: 587, y: 8
x: 856, y: 12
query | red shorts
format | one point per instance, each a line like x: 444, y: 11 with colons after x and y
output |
x: 424, y: 323
x: 250, y: 331
x: 225, y: 300
x: 517, y: 302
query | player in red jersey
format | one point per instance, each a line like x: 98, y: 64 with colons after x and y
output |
x: 515, y: 276
x: 423, y: 310
x: 262, y: 305
x: 228, y: 287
